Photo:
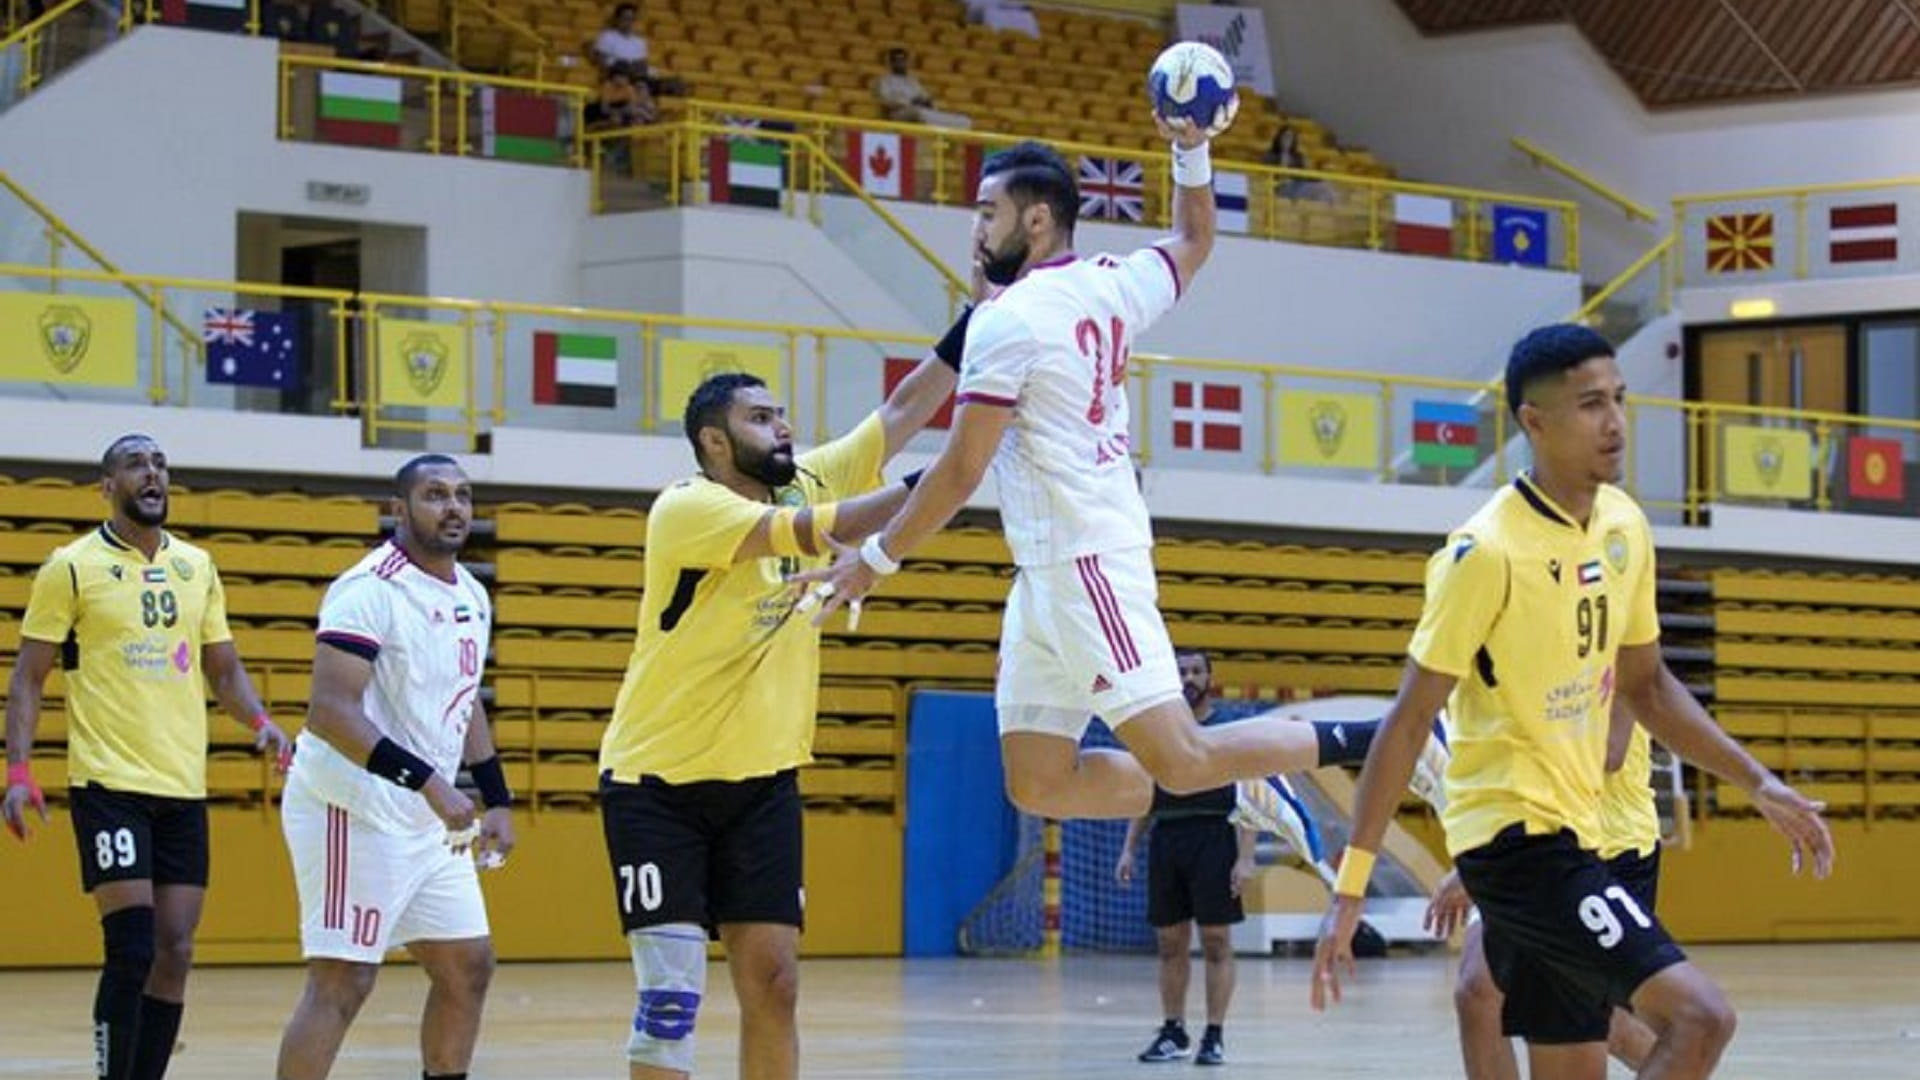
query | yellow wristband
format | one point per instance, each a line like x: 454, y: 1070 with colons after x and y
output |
x: 1356, y: 866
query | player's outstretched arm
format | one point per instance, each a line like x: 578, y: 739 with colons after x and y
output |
x: 941, y: 492
x: 1389, y: 765
x: 914, y: 402
x: 1195, y: 218
x: 30, y: 670
x: 234, y: 691
x: 1664, y: 706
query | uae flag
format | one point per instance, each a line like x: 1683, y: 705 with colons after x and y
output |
x: 575, y: 369
x: 897, y: 369
x: 1875, y: 469
x: 1423, y: 225
x: 1206, y: 416
x: 1863, y: 233
x: 882, y: 163
x: 519, y: 127
x: 363, y: 110
x: 206, y: 14
x: 971, y: 160
x: 746, y: 172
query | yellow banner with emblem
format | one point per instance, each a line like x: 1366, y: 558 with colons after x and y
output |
x: 685, y: 364
x: 1768, y: 463
x: 423, y: 365
x: 1335, y: 431
x: 60, y: 338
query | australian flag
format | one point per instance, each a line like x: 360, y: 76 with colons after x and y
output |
x: 251, y: 348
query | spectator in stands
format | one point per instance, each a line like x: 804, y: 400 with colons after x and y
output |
x: 624, y: 101
x: 904, y: 99
x: 617, y: 43
x: 1284, y: 152
x: 1003, y: 15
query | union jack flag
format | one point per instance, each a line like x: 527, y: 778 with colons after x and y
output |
x: 1112, y: 189
x: 228, y: 327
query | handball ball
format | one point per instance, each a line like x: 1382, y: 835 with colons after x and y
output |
x: 1191, y: 79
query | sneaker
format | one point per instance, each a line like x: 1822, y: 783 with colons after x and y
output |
x: 1271, y: 805
x: 1169, y: 1044
x: 1430, y: 771
x: 1213, y: 1051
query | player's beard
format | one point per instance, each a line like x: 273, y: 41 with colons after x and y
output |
x: 1002, y: 267
x: 1195, y: 695
x: 130, y: 506
x: 773, y: 467
x: 425, y: 531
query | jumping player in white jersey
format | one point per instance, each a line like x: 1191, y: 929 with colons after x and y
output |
x: 378, y: 833
x: 1043, y: 399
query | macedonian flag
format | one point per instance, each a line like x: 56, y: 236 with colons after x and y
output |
x: 1737, y: 243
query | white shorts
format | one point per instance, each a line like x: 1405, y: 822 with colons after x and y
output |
x: 364, y: 890
x: 1083, y: 638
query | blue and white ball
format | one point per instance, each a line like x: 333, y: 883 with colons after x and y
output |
x: 1191, y: 79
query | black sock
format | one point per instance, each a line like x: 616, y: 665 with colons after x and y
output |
x: 425, y: 1075
x: 128, y: 935
x: 1214, y: 1033
x: 1345, y: 742
x: 159, y: 1026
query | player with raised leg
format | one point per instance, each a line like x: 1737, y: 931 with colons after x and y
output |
x: 1538, y: 611
x: 1043, y: 400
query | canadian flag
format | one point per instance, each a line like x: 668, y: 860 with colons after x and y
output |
x: 1206, y: 416
x: 882, y: 162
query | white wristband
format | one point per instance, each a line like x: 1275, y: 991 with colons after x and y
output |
x: 1193, y: 168
x: 876, y: 557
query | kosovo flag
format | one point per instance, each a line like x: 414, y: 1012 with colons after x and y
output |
x: 1519, y: 235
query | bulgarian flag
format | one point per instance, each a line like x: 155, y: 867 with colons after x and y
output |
x: 363, y: 110
x: 519, y: 127
x: 229, y: 15
x: 575, y: 369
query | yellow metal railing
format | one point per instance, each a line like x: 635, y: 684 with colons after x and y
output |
x: 60, y: 235
x: 1337, y: 208
x: 1744, y: 232
x: 442, y: 88
x: 30, y: 39
x: 1658, y: 257
x: 1547, y: 159
x: 1682, y: 455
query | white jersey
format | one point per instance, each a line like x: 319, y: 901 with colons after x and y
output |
x: 1053, y: 347
x: 426, y: 637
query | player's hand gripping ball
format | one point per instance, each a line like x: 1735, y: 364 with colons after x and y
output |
x: 1191, y: 80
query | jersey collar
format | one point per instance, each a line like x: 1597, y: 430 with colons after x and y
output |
x: 112, y: 540
x: 1055, y: 263
x: 1541, y: 504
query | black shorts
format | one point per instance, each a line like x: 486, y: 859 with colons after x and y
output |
x: 707, y: 853
x: 1190, y: 872
x: 1565, y: 939
x: 1640, y: 876
x: 129, y: 836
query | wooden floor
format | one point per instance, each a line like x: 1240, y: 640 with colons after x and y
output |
x: 1846, y: 1011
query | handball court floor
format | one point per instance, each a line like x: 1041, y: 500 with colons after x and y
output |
x: 1806, y: 1011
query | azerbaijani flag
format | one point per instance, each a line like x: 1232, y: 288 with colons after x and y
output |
x: 363, y: 110
x: 1446, y: 435
x: 575, y: 369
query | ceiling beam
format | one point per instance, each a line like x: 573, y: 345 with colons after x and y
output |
x: 1759, y: 43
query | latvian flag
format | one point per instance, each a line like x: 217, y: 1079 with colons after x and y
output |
x: 363, y: 110
x: 1230, y: 201
x: 882, y: 163
x: 1863, y: 233
x: 575, y: 369
x: 746, y: 172
x: 1206, y: 416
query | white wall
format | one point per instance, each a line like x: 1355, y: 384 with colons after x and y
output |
x: 1443, y: 109
x: 164, y: 137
